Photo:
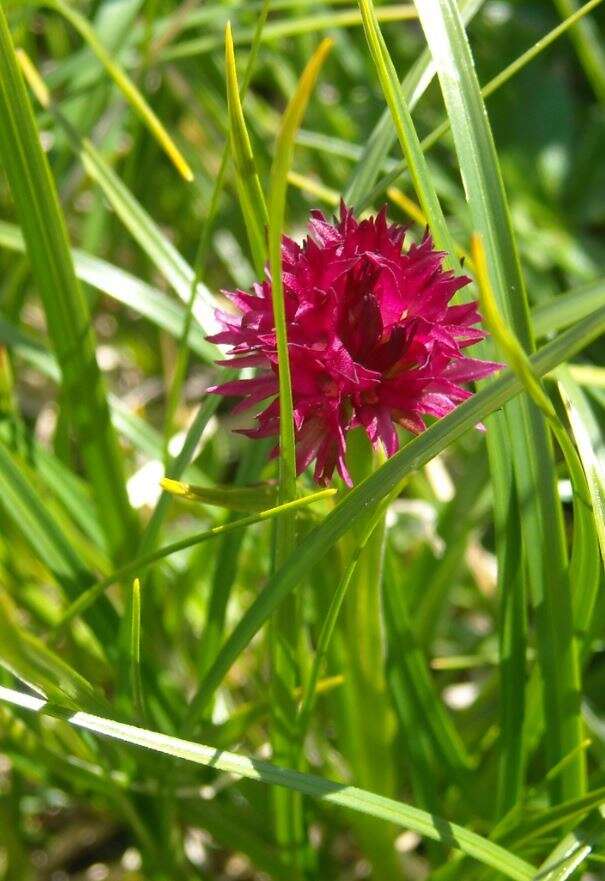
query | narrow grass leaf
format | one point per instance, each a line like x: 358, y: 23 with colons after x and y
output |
x: 160, y: 251
x: 289, y: 26
x: 135, y: 651
x: 380, y: 141
x: 23, y: 504
x: 86, y: 599
x: 591, y: 447
x: 232, y: 498
x: 406, y: 132
x: 254, y: 208
x: 126, y: 289
x: 125, y: 85
x: 284, y: 637
x: 488, y: 89
x: 40, y: 668
x: 531, y: 448
x: 45, y: 234
x: 328, y: 792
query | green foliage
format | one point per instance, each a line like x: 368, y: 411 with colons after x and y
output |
x: 420, y: 654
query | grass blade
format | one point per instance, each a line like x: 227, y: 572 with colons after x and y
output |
x: 90, y: 596
x: 125, y: 85
x: 284, y: 637
x: 406, y: 132
x: 380, y: 141
x: 45, y: 234
x: 125, y: 288
x: 135, y: 651
x: 30, y: 515
x: 488, y: 89
x: 349, y: 797
x: 137, y: 221
x: 249, y: 187
x: 531, y: 453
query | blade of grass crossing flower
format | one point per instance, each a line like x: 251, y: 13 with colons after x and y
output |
x: 66, y: 309
x: 326, y: 791
x: 406, y: 132
x: 249, y: 187
x: 531, y: 447
x: 371, y: 491
x: 125, y: 85
x: 285, y: 630
x: 277, y: 204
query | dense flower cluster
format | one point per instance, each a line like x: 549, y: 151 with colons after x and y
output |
x: 372, y: 339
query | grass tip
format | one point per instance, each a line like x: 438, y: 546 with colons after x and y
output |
x: 175, y: 487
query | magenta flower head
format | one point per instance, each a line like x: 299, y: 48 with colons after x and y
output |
x: 372, y: 339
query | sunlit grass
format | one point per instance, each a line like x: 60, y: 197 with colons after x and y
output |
x: 402, y: 679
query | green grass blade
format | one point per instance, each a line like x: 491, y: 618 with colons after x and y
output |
x: 377, y: 146
x: 45, y: 234
x: 135, y: 651
x: 413, y: 456
x: 589, y: 439
x: 226, y: 568
x: 161, y: 252
x: 284, y: 637
x: 588, y: 46
x: 573, y: 850
x: 232, y: 498
x: 201, y: 257
x: 288, y: 27
x: 566, y: 308
x: 406, y: 132
x: 23, y: 504
x: 124, y: 288
x: 36, y: 665
x: 125, y: 85
x: 140, y: 434
x: 407, y: 660
x: 249, y: 186
x: 488, y: 89
x: 328, y: 792
x: 532, y: 453
x: 284, y: 148
x: 90, y: 596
